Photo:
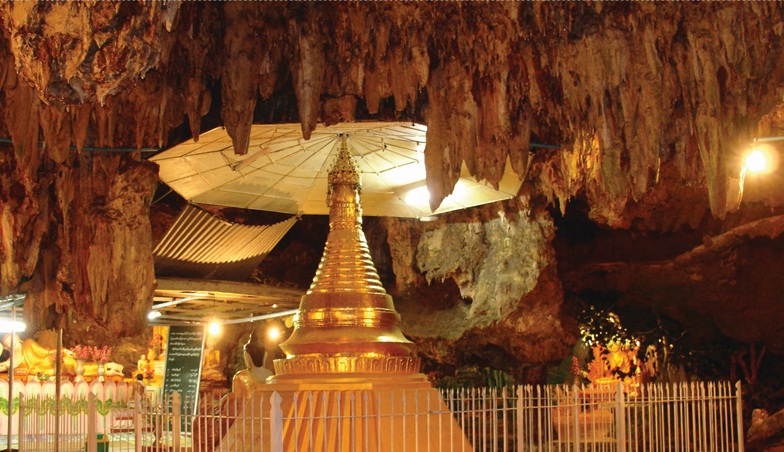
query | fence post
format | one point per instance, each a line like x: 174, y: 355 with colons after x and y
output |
x: 276, y: 423
x: 176, y: 412
x: 92, y: 445
x: 576, y: 417
x: 620, y: 424
x: 519, y: 409
x: 739, y: 407
x: 137, y: 421
x: 20, y: 428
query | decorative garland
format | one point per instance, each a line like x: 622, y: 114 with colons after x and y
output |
x: 71, y: 406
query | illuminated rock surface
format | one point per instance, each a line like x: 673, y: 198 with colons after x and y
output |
x: 651, y: 104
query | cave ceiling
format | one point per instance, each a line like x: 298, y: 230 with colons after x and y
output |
x: 647, y: 107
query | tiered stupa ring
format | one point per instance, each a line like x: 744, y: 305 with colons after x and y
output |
x: 347, y: 323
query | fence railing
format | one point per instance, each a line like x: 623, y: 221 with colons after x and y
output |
x: 702, y: 417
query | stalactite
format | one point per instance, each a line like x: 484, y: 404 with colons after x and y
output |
x: 376, y: 73
x: 338, y: 110
x: 80, y: 123
x: 640, y: 58
x: 650, y: 103
x: 452, y: 130
x: 22, y: 121
x: 307, y: 69
x: 240, y: 81
x: 56, y: 127
x: 273, y: 38
x: 200, y: 26
x: 103, y: 114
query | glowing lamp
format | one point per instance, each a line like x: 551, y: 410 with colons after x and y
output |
x: 214, y: 328
x: 273, y: 333
x: 12, y: 326
x: 152, y: 315
x: 756, y: 161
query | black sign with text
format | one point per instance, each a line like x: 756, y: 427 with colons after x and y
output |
x: 183, y: 364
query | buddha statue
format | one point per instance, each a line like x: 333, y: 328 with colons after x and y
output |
x: 142, y: 365
x: 17, y: 352
x: 213, y: 364
x: 32, y: 358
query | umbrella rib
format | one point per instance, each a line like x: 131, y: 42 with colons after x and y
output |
x: 326, y: 164
x: 408, y: 157
x: 200, y: 174
x: 388, y: 184
x: 287, y: 174
x: 288, y: 150
x: 254, y: 169
x: 264, y: 150
x: 190, y: 153
x: 296, y: 145
x: 365, y: 162
x: 391, y: 142
x: 399, y: 136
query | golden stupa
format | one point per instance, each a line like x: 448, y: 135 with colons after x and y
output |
x: 347, y: 346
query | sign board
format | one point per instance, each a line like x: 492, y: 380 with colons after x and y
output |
x: 183, y: 364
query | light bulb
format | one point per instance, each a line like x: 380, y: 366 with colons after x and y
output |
x: 273, y: 333
x: 214, y: 328
x: 756, y: 161
x: 152, y: 315
x: 9, y: 326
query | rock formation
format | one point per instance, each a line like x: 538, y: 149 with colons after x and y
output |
x: 647, y: 107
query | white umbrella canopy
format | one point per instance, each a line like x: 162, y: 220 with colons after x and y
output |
x: 283, y: 172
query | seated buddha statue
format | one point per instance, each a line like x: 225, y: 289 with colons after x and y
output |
x: 256, y: 374
x: 213, y: 364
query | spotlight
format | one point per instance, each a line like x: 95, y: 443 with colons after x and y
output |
x: 214, y: 328
x: 756, y: 161
x: 152, y: 315
x: 273, y: 333
x: 762, y: 158
x: 8, y: 326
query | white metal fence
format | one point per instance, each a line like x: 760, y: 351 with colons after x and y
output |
x: 704, y: 417
x: 700, y: 417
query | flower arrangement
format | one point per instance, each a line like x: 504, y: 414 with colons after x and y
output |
x: 149, y: 373
x: 82, y: 352
x: 101, y: 355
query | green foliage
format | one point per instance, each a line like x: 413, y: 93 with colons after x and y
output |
x: 602, y: 326
x: 498, y: 378
x: 472, y: 377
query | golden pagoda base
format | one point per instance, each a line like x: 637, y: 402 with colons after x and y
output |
x: 420, y: 420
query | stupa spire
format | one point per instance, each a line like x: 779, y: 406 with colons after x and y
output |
x: 346, y: 322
